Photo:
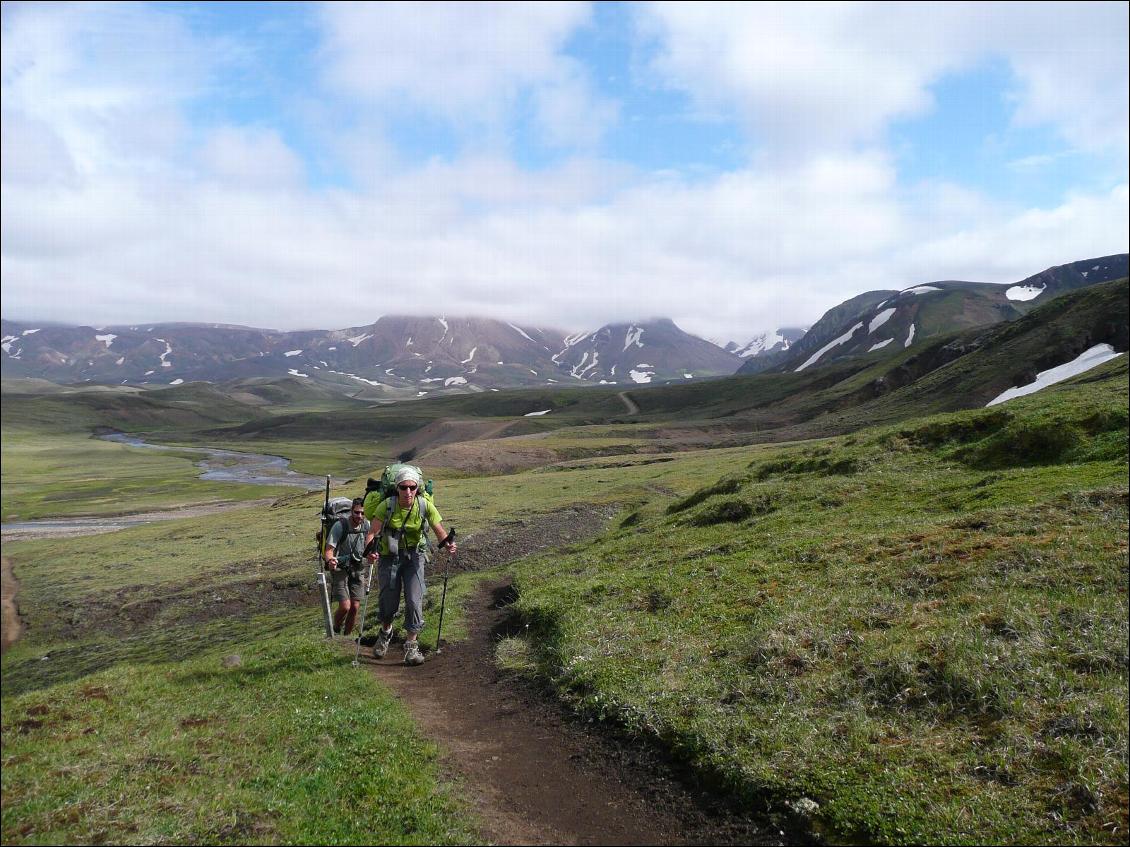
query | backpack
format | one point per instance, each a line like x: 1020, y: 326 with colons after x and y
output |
x: 335, y: 510
x: 384, y: 488
x: 385, y: 485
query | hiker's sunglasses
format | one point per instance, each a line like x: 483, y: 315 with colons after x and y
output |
x: 407, y: 487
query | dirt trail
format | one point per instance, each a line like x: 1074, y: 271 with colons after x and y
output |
x: 534, y: 774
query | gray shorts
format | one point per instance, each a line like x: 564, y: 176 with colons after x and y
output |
x: 347, y: 584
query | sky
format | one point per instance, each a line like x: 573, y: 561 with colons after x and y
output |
x: 736, y: 167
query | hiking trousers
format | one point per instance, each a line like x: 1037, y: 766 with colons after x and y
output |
x: 398, y: 575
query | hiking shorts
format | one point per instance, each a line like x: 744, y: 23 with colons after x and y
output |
x: 402, y: 575
x: 348, y: 584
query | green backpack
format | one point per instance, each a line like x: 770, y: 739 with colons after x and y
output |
x: 384, y: 488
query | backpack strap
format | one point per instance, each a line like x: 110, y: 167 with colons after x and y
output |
x: 390, y: 506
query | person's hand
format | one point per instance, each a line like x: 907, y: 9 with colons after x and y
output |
x: 450, y: 547
x: 372, y: 557
x: 332, y: 562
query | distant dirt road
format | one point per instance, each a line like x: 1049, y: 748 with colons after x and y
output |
x: 633, y: 409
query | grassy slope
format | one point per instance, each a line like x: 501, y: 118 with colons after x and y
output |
x: 905, y: 624
x: 121, y: 724
x: 910, y: 626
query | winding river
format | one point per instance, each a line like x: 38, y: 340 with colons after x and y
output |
x: 216, y: 465
x: 231, y: 466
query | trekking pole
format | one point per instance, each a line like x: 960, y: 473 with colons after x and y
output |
x: 443, y: 601
x: 364, y: 607
x: 325, y: 589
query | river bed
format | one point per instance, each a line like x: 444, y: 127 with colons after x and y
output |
x: 217, y: 466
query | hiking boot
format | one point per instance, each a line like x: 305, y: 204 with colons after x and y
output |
x: 380, y: 647
x: 412, y: 654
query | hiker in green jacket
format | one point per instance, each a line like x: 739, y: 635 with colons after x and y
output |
x: 345, y: 560
x: 401, y: 551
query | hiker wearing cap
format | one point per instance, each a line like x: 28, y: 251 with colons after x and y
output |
x: 399, y: 524
x: 345, y: 559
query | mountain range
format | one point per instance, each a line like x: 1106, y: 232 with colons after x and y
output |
x: 401, y: 356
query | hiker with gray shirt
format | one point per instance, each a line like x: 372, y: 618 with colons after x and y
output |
x: 399, y: 524
x: 345, y: 559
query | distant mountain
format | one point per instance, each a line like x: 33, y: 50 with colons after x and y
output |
x: 397, y: 356
x: 650, y: 351
x: 819, y: 334
x: 889, y: 320
x: 777, y: 341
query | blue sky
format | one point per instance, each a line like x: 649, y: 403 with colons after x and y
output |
x: 735, y: 167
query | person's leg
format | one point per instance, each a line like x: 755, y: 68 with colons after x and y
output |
x: 412, y: 578
x: 356, y: 592
x: 341, y: 595
x: 388, y: 600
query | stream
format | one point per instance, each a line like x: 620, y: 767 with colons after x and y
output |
x: 217, y: 466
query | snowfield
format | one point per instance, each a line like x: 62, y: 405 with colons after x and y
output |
x: 1082, y: 363
x: 836, y: 343
x: 1024, y: 292
x: 880, y: 319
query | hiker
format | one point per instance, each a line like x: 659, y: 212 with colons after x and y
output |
x: 345, y: 558
x: 401, y: 552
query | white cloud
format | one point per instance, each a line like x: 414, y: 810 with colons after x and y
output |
x: 467, y: 62
x: 250, y: 156
x: 817, y: 76
x: 106, y: 219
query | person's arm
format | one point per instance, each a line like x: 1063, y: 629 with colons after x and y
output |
x: 375, y: 526
x: 437, y: 527
x: 331, y: 546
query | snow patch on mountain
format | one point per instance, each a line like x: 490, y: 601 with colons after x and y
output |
x: 835, y: 343
x: 920, y: 289
x: 633, y: 337
x: 880, y: 345
x: 106, y: 339
x: 1082, y: 363
x: 177, y: 382
x: 290, y: 353
x: 357, y: 339
x: 880, y: 319
x: 293, y: 372
x: 470, y: 357
x: 909, y: 337
x: 759, y: 344
x: 1024, y: 293
x: 454, y: 380
x: 168, y: 349
x: 519, y: 331
x: 29, y: 332
x: 537, y: 414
